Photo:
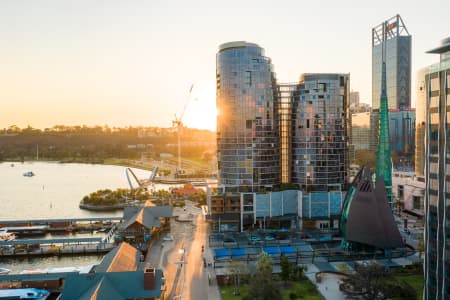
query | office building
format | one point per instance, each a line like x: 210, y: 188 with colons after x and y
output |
x: 402, y: 133
x: 393, y: 34
x: 419, y: 153
x: 437, y: 175
x: 354, y: 99
x: 402, y: 130
x: 361, y: 131
x: 248, y: 143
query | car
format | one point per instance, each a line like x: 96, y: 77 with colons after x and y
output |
x: 254, y: 239
x: 269, y: 238
x: 168, y: 238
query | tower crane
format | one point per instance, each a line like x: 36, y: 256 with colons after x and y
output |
x: 178, y: 122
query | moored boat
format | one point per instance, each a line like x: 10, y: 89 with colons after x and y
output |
x: 28, y: 174
x: 4, y: 271
x: 6, y: 236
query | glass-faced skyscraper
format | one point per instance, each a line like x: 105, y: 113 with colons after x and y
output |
x: 248, y: 148
x: 437, y: 173
x: 320, y: 131
x: 398, y: 63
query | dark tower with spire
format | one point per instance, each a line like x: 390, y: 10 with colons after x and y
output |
x: 384, y: 165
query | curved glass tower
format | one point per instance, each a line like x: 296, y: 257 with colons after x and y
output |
x: 247, y: 124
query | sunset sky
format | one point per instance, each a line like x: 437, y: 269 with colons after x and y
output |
x: 126, y: 63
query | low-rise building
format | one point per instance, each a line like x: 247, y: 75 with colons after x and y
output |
x: 121, y: 275
x: 233, y: 211
x: 142, y: 222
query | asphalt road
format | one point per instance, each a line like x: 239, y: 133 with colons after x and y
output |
x: 196, y: 281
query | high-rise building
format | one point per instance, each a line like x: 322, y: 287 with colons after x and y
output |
x: 419, y: 157
x: 248, y: 143
x: 361, y: 130
x: 393, y: 34
x: 437, y: 174
x: 269, y: 134
x: 354, y: 99
x: 320, y: 132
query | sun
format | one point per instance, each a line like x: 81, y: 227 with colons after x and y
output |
x: 201, y: 111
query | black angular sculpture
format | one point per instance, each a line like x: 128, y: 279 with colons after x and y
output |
x: 367, y: 220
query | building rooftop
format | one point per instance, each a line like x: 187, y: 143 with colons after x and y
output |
x: 444, y: 47
x: 237, y: 44
x: 116, y: 285
x: 122, y: 258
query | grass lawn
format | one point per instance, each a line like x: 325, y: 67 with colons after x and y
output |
x: 227, y: 292
x: 416, y: 281
x: 303, y: 287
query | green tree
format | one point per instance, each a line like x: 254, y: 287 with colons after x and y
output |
x: 370, y: 280
x: 286, y: 269
x: 262, y: 286
x: 238, y: 270
x: 365, y: 158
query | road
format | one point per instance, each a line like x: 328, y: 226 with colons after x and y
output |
x: 189, y: 281
x: 196, y: 281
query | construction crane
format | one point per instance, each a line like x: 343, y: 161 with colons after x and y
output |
x: 178, y: 122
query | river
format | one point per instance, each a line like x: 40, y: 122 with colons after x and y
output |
x: 55, y: 192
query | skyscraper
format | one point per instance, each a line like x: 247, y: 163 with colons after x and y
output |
x: 320, y: 132
x: 397, y: 41
x: 419, y: 154
x: 437, y: 174
x: 247, y: 125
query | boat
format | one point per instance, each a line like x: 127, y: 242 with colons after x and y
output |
x: 4, y: 271
x: 28, y: 293
x: 29, y: 174
x: 80, y: 269
x: 6, y: 236
x: 28, y: 230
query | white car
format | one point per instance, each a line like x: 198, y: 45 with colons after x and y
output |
x: 168, y: 238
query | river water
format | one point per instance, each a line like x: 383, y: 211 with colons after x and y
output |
x: 55, y: 192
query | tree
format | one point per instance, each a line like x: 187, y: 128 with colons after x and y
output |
x: 286, y: 269
x: 365, y: 158
x: 262, y: 286
x: 370, y: 280
x: 238, y: 269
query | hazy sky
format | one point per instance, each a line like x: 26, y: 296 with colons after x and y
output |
x: 132, y: 62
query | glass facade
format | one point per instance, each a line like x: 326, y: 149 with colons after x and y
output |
x: 361, y: 131
x: 437, y: 172
x: 248, y: 142
x: 402, y: 130
x: 287, y: 93
x: 419, y: 159
x: 398, y: 64
x: 320, y: 133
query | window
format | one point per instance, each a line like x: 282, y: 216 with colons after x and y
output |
x: 248, y: 78
x: 248, y: 124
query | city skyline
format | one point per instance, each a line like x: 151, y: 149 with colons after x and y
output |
x: 115, y: 63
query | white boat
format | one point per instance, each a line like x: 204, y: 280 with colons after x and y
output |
x: 6, y: 236
x: 80, y: 269
x: 28, y: 174
x: 4, y: 271
x: 28, y: 293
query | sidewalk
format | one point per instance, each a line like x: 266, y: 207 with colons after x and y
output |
x: 213, y: 288
x: 328, y: 287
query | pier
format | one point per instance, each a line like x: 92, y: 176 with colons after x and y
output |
x: 44, y: 226
x: 59, y: 247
